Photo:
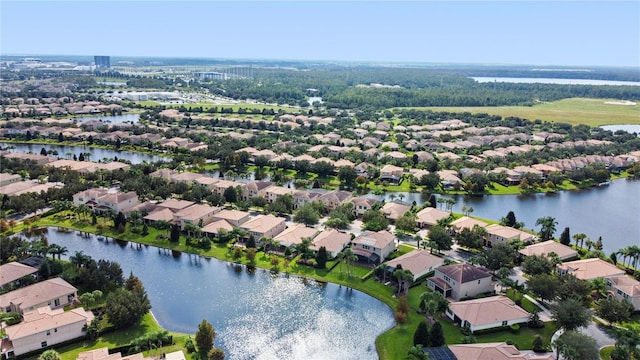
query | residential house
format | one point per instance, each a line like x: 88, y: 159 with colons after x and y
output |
x: 625, y: 287
x: 55, y: 293
x: 460, y: 281
x: 45, y: 327
x: 159, y: 214
x: 198, y: 214
x: 493, y: 351
x: 254, y: 189
x: 449, y: 178
x: 6, y: 179
x: 332, y: 240
x: 12, y: 272
x: 103, y: 354
x: 419, y: 262
x: 333, y: 199
x: 295, y: 234
x: 391, y: 173
x: 466, y: 222
x: 117, y: 201
x: 233, y: 217
x: 429, y: 217
x: 394, y: 210
x: 487, y: 313
x: 550, y: 246
x: 175, y: 205
x: 217, y: 226
x: 301, y: 197
x: 374, y: 247
x: 589, y: 269
x: 274, y: 192
x: 362, y: 204
x: 89, y: 197
x: 267, y: 226
x: 220, y: 186
x: 505, y: 234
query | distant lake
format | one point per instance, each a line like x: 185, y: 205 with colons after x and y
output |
x: 554, y: 81
x: 115, y: 119
x: 628, y: 128
x: 96, y: 153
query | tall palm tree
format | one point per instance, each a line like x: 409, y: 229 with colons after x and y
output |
x: 579, y: 238
x: 547, y: 227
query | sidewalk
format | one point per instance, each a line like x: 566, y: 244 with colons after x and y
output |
x: 545, y: 314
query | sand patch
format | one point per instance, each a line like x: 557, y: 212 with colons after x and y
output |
x: 625, y: 103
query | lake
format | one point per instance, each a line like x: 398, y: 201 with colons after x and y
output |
x: 256, y: 315
x: 115, y: 119
x: 554, y: 81
x: 96, y: 153
x: 609, y: 211
x: 628, y: 128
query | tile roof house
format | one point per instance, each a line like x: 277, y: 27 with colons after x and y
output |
x: 393, y: 210
x: 301, y: 197
x: 589, y: 269
x: 362, y: 204
x: 332, y: 240
x: 175, y: 205
x: 546, y: 247
x: 55, y: 293
x: 391, y: 173
x: 214, y: 228
x: 254, y: 189
x: 494, y: 351
x: 460, y: 281
x: 333, y: 199
x: 374, y: 247
x: 233, y: 217
x: 624, y: 287
x: 14, y: 271
x: 429, y: 216
x: 103, y: 354
x: 159, y: 214
x: 264, y: 226
x: 487, y: 313
x: 44, y: 327
x: 466, y: 222
x: 295, y: 234
x: 195, y: 214
x: 419, y: 262
x: 6, y: 179
x: 274, y: 192
x: 504, y: 234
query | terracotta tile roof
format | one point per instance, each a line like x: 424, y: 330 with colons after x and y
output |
x: 589, y: 269
x: 546, y: 247
x: 34, y: 294
x: 463, y: 273
x: 490, y: 310
x: 466, y: 222
x: 431, y: 215
x: 175, y: 204
x: 14, y: 271
x: 294, y: 235
x: 416, y: 261
x: 376, y: 240
x: 262, y: 223
x: 44, y: 319
x: 494, y: 351
x: 626, y: 284
x: 214, y: 227
x: 333, y: 240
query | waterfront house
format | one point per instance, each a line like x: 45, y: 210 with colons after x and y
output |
x: 394, y: 210
x: 505, y: 234
x: 459, y: 281
x: 55, y: 293
x: 45, y: 327
x: 175, y: 205
x: 487, y: 313
x: 216, y: 227
x: 428, y: 217
x: 374, y: 247
x: 11, y: 273
x: 198, y: 214
x: 589, y: 269
x: 103, y: 354
x: 419, y: 262
x: 294, y: 235
x: 233, y: 217
x: 267, y: 226
x: 332, y: 240
x: 466, y: 222
x: 391, y: 173
x: 493, y: 351
x: 550, y: 246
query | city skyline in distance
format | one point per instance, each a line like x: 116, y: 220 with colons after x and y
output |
x: 477, y: 32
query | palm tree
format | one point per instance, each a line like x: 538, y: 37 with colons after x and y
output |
x: 433, y: 303
x: 547, y: 227
x: 79, y: 259
x: 579, y: 238
x: 55, y: 249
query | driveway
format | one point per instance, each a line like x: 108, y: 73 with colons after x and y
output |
x: 598, y: 334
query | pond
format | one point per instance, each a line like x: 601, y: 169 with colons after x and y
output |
x: 628, y: 128
x: 66, y: 151
x: 609, y: 211
x: 256, y: 315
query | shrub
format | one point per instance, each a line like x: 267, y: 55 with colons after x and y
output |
x: 537, y: 345
x: 401, y: 318
x: 465, y: 331
x: 515, y: 328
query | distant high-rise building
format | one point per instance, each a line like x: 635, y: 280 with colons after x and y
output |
x: 102, y: 62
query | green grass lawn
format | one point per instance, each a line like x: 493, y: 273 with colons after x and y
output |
x: 592, y: 112
x: 605, y: 352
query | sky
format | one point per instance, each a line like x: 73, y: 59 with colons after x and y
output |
x: 566, y: 33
